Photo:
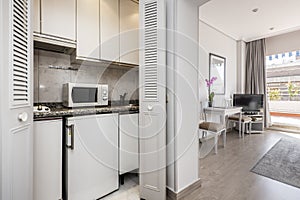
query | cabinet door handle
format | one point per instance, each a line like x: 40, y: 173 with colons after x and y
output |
x: 70, y: 137
x: 150, y: 107
x: 23, y: 117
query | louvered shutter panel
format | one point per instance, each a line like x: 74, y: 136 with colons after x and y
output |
x: 152, y: 117
x: 151, y: 48
x: 20, y: 48
x: 16, y: 58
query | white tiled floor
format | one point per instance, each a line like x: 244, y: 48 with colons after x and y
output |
x: 128, y: 191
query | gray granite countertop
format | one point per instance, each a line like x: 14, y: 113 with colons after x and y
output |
x: 67, y: 112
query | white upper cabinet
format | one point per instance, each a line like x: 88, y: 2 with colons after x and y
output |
x: 110, y: 29
x: 36, y: 16
x: 88, y: 29
x: 58, y: 18
x: 98, y: 29
x: 129, y: 33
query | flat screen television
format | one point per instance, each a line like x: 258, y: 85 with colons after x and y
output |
x: 249, y: 102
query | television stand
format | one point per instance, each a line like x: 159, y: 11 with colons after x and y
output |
x: 250, y: 113
x: 258, y: 121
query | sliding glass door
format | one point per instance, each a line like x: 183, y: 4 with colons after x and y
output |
x: 283, y: 83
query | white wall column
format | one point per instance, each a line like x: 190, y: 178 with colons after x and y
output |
x: 241, y: 66
x: 1, y: 99
x: 183, y: 93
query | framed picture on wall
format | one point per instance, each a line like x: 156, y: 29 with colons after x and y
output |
x: 217, y: 68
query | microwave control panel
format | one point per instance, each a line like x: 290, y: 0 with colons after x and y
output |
x: 103, y: 95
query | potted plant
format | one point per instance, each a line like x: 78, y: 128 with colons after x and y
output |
x: 292, y: 90
x: 211, y: 95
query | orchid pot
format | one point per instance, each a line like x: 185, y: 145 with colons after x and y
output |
x: 211, y: 95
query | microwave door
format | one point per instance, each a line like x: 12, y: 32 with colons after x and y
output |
x: 85, y: 95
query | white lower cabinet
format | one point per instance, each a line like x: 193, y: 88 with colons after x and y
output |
x: 92, y: 156
x: 128, y: 143
x: 47, y: 171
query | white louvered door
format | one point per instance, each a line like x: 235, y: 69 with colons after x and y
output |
x: 16, y: 100
x: 20, y: 51
x: 152, y: 100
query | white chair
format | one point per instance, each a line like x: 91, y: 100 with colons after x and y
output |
x: 209, y: 130
x: 245, y: 120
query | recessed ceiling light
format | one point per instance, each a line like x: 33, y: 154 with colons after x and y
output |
x: 255, y: 10
x: 272, y: 28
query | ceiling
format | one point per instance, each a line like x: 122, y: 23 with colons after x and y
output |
x: 236, y: 19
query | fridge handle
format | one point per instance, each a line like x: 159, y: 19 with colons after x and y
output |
x: 70, y: 137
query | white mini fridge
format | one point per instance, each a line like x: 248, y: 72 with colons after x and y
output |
x: 91, y: 156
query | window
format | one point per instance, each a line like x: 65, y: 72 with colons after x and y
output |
x: 283, y: 84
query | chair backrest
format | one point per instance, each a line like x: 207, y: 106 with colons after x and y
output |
x: 202, y: 114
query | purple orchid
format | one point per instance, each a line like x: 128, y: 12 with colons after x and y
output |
x: 211, y: 81
x: 208, y: 84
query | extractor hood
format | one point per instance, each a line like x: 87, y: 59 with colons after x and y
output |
x: 48, y: 43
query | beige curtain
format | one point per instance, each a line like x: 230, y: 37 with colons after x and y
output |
x: 256, y: 79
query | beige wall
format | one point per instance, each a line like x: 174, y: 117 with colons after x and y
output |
x: 283, y: 43
x: 213, y: 41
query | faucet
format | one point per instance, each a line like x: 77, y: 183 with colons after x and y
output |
x: 122, y: 98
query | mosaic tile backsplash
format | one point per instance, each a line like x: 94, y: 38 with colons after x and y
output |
x: 52, y: 70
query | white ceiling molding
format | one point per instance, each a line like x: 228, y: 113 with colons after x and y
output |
x: 216, y: 29
x: 277, y: 33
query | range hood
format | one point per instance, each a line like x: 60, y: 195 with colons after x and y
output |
x: 53, y: 44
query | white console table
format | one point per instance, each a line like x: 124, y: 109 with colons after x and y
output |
x: 223, y: 112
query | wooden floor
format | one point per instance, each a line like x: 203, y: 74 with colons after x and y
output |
x: 227, y: 175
